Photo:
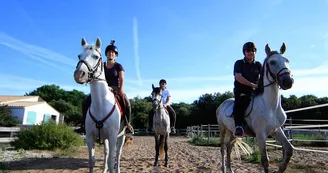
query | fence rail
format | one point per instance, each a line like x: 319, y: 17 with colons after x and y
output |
x: 208, y: 131
x: 7, y: 134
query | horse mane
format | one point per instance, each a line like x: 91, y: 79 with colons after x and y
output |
x: 260, y: 85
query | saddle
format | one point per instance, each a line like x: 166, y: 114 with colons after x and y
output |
x: 121, y: 102
x: 229, y: 110
x: 247, y: 129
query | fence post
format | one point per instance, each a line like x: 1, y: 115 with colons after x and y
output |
x: 208, y: 133
x: 290, y: 130
x: 201, y: 130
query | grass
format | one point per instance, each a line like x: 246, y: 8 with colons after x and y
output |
x: 202, y: 141
x: 310, y: 137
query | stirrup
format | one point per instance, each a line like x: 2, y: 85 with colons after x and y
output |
x: 242, y: 130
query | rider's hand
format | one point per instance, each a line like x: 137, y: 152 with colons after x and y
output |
x: 121, y: 91
x: 255, y: 86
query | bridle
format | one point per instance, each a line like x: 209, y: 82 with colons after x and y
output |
x: 92, y: 71
x: 158, y: 101
x: 274, y: 76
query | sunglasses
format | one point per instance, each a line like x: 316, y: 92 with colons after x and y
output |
x: 250, y: 50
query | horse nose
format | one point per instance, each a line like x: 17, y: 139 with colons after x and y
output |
x: 78, y: 75
x: 287, y: 83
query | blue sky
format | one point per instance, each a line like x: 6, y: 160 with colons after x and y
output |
x: 192, y: 44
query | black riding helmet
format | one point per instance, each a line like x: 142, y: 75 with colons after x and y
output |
x: 162, y: 81
x: 249, y: 45
x: 111, y: 47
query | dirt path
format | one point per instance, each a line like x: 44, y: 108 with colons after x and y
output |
x: 183, y: 157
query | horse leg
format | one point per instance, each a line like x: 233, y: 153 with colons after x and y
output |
x: 165, y: 149
x: 91, y: 150
x: 287, y: 149
x: 112, y: 144
x: 222, y: 147
x: 106, y: 150
x: 120, y: 144
x: 264, y: 156
x: 156, y: 149
x: 229, y: 149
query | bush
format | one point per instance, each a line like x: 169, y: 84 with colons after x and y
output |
x: 47, y: 136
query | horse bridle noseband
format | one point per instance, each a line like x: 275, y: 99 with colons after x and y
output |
x: 92, y: 71
x: 274, y: 76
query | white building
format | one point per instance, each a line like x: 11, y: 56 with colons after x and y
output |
x: 30, y: 110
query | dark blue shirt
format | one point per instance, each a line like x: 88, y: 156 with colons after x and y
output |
x: 250, y: 71
x: 112, y: 74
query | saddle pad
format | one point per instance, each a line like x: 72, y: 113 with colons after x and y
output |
x: 228, y: 111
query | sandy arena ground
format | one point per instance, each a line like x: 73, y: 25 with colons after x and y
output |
x: 138, y: 157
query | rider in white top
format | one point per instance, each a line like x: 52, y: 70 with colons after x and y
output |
x: 166, y: 102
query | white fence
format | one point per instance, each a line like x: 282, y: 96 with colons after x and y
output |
x: 317, y: 127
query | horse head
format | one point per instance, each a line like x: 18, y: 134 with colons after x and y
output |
x: 277, y: 68
x: 156, y: 96
x: 89, y: 66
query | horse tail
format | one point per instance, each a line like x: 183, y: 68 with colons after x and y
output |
x: 161, y: 147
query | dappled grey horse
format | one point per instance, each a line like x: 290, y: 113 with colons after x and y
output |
x: 161, y: 125
x: 103, y: 117
x: 265, y: 113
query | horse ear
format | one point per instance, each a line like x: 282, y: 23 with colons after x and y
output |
x: 152, y: 85
x: 98, y: 42
x: 267, y: 49
x: 283, y: 48
x: 83, y: 42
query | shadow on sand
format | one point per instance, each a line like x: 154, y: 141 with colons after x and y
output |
x: 50, y: 163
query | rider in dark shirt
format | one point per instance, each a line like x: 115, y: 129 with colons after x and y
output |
x: 247, y: 72
x: 114, y: 74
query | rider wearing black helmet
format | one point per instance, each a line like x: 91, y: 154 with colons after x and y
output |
x: 114, y: 74
x: 165, y: 100
x: 246, y: 72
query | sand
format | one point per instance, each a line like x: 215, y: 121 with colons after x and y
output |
x: 138, y: 157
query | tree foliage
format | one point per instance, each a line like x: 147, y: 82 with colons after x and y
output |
x: 67, y: 103
x: 201, y: 111
x: 6, y: 118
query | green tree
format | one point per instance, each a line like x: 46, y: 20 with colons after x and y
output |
x: 48, y: 92
x: 140, y: 111
x: 6, y: 118
x: 68, y: 103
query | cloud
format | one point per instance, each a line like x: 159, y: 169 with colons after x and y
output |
x: 12, y: 82
x: 39, y: 54
x: 320, y: 70
x: 136, y: 49
x: 309, y: 85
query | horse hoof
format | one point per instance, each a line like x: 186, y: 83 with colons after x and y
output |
x: 165, y: 164
x: 156, y: 164
x: 275, y: 172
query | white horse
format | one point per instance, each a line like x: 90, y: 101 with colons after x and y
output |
x: 161, y: 126
x: 103, y: 117
x: 265, y: 113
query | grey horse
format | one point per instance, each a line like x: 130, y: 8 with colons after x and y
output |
x: 265, y: 115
